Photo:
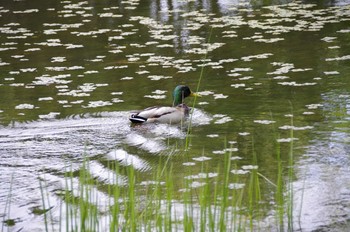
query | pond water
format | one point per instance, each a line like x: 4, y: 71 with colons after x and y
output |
x: 71, y: 71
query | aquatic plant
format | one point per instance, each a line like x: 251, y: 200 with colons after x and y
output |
x: 226, y: 200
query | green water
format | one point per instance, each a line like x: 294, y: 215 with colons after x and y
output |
x: 70, y: 73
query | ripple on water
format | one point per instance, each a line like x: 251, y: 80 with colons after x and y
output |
x: 40, y: 137
x: 146, y: 144
x: 128, y: 159
x: 50, y: 148
x: 106, y: 175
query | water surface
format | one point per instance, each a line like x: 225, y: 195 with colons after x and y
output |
x: 70, y: 72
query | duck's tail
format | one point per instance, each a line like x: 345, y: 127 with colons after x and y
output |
x: 137, y: 119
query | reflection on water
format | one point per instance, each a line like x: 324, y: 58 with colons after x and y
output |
x: 324, y: 173
x: 71, y: 71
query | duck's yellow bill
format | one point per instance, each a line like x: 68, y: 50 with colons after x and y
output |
x: 195, y: 95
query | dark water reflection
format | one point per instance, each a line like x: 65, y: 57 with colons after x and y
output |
x: 71, y: 71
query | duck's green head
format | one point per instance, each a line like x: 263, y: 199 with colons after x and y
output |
x: 181, y: 92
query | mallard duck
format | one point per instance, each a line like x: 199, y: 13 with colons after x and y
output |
x: 166, y: 114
